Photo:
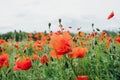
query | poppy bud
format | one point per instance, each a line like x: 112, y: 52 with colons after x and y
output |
x: 66, y: 64
x: 92, y: 24
x: 97, y: 29
x: 59, y: 21
x: 51, y: 58
x: 74, y: 39
x: 92, y: 47
x: 110, y: 50
x: 46, y: 64
x: 49, y: 24
x: 96, y: 42
x: 105, y: 52
x: 114, y: 47
x: 25, y: 51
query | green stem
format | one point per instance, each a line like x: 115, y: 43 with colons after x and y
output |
x: 70, y: 62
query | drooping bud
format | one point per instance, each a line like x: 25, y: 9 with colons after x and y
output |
x: 97, y: 29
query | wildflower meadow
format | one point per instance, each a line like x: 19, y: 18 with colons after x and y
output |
x: 60, y: 55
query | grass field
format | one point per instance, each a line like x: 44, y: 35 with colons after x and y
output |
x: 60, y: 55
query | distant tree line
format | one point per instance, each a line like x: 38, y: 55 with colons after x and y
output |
x: 20, y: 35
x: 112, y: 33
x: 17, y: 36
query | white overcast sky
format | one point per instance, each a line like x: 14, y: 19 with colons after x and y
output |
x: 34, y: 15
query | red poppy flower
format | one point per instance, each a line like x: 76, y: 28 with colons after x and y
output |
x: 18, y: 55
x: 78, y: 52
x: 36, y: 36
x: 61, y: 43
x: 110, y: 15
x: 118, y: 39
x: 4, y: 60
x: 30, y: 35
x: 93, y: 34
x: 58, y: 33
x: 82, y: 77
x: 44, y: 59
x: 16, y: 46
x: 36, y: 57
x: 81, y: 34
x: 54, y: 54
x: 23, y: 64
x: 103, y: 33
x: 2, y: 41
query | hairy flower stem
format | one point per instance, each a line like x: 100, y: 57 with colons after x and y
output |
x: 70, y: 62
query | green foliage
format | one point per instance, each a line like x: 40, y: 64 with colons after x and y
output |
x: 99, y: 63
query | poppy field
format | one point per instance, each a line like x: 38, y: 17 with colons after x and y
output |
x: 61, y: 55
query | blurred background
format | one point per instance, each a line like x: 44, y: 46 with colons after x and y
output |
x: 34, y: 15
